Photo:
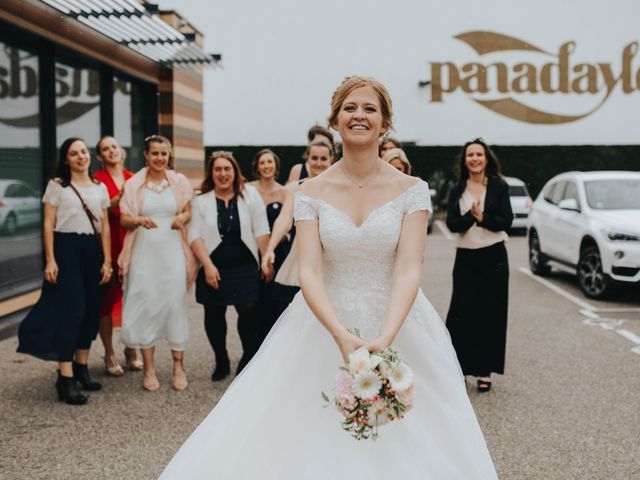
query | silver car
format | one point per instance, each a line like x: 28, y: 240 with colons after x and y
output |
x: 19, y: 206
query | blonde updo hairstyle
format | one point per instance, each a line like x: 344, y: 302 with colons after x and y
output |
x: 348, y: 85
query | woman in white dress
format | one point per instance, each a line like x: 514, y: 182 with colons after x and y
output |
x: 361, y: 231
x: 156, y: 262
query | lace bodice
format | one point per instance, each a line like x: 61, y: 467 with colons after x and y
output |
x: 358, y: 260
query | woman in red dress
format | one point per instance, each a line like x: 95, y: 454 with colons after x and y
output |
x: 113, y: 175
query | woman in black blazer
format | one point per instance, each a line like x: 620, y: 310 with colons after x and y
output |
x: 480, y: 211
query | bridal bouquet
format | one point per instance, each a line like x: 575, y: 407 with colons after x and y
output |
x: 371, y: 390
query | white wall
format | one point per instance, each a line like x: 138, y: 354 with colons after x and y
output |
x: 282, y: 59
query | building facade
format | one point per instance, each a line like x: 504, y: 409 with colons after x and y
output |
x: 88, y: 69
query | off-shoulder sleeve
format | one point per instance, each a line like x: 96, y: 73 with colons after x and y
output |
x: 418, y: 198
x: 304, y: 207
x: 52, y: 193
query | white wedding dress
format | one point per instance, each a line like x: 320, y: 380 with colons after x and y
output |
x: 271, y: 424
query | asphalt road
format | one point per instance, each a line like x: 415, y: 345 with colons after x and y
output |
x: 567, y: 407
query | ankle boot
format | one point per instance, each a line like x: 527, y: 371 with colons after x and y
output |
x: 81, y: 374
x: 68, y: 391
x: 222, y: 368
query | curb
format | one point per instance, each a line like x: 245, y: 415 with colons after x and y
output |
x: 10, y: 323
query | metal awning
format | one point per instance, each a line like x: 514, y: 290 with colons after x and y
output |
x: 129, y: 23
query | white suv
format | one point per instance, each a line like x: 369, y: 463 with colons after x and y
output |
x: 520, y: 203
x: 588, y: 223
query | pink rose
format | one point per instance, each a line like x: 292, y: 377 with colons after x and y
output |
x: 344, y: 383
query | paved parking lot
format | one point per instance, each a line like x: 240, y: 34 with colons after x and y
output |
x: 567, y: 407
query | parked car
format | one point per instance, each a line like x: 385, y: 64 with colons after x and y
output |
x: 521, y: 203
x: 19, y: 205
x: 588, y: 223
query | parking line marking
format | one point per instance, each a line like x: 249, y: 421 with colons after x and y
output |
x: 617, y: 310
x: 588, y: 310
x: 629, y: 335
x: 589, y: 313
x: 558, y: 290
x: 443, y: 228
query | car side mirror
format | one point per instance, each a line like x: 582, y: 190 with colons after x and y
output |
x: 570, y: 204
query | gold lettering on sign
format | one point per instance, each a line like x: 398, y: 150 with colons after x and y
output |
x: 557, y: 76
x: 476, y: 81
x: 590, y: 77
x: 526, y: 82
x: 436, y: 75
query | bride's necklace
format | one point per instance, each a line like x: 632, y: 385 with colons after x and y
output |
x: 158, y: 187
x: 364, y: 184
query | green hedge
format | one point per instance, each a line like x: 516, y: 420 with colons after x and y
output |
x: 533, y: 164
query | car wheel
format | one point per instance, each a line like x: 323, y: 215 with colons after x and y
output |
x: 10, y: 224
x: 594, y: 283
x: 537, y: 261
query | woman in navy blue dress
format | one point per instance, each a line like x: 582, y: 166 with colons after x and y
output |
x: 64, y: 322
x: 227, y: 232
x: 266, y: 167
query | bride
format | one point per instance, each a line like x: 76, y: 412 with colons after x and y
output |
x: 361, y: 229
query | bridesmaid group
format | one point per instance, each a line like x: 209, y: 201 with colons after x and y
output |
x: 123, y: 249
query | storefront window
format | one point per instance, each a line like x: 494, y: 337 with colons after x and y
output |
x: 78, y: 105
x: 128, y: 121
x: 20, y: 172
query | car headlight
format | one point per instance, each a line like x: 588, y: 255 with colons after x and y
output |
x: 618, y: 236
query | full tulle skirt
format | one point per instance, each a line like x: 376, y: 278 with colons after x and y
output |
x: 271, y: 423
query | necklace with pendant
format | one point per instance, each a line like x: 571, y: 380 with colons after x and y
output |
x: 360, y: 185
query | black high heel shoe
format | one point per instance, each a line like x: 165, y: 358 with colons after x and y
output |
x: 68, y: 391
x: 81, y: 374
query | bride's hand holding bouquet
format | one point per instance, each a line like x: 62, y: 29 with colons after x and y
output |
x: 379, y: 344
x: 348, y: 342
